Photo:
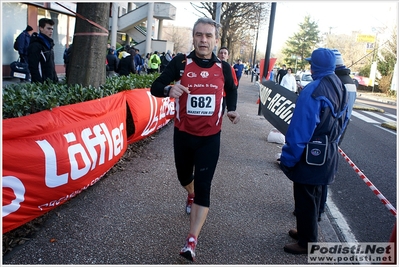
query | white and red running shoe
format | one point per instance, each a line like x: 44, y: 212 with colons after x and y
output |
x: 188, y: 251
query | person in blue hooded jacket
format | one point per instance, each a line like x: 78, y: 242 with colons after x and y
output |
x: 310, y: 155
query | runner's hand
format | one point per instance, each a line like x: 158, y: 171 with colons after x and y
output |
x: 177, y: 90
x: 233, y: 116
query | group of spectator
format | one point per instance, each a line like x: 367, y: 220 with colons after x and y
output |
x: 156, y: 62
x: 130, y: 61
x: 126, y: 62
x: 39, y: 47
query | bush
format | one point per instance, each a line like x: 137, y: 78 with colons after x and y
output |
x: 385, y: 84
x: 27, y: 98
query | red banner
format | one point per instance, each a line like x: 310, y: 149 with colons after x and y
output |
x: 149, y: 113
x: 51, y: 156
x: 272, y: 61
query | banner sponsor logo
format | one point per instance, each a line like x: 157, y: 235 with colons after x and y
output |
x: 80, y: 161
x: 159, y: 116
x: 278, y: 104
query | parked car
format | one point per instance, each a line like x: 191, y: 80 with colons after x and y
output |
x: 302, y: 80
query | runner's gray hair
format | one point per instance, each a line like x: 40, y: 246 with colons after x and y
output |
x: 208, y: 21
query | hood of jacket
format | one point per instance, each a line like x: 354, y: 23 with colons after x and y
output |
x: 322, y: 63
x: 125, y: 54
x: 43, y: 39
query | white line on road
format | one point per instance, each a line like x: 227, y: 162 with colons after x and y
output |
x: 340, y: 220
x: 362, y: 117
x: 391, y: 115
x: 378, y: 116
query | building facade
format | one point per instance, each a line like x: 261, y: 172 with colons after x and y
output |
x: 129, y: 23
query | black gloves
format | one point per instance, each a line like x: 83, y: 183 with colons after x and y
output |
x: 287, y: 170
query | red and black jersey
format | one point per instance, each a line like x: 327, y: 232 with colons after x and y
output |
x: 200, y: 112
x: 176, y: 68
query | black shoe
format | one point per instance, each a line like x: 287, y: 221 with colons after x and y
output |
x: 295, y: 248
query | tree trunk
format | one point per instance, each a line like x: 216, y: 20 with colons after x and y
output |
x: 87, y: 63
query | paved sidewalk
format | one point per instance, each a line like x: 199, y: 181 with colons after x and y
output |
x: 136, y: 215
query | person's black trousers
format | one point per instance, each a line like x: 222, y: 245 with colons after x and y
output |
x: 307, y: 202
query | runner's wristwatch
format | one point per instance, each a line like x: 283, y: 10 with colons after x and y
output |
x: 166, y: 90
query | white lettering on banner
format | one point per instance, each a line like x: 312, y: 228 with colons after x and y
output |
x: 166, y: 109
x: 117, y: 138
x: 59, y: 201
x: 99, y: 139
x: 19, y: 191
x: 80, y: 161
x: 52, y: 179
x: 279, y: 105
x: 74, y: 151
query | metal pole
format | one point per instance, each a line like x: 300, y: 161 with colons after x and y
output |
x: 217, y: 19
x: 256, y: 46
x: 374, y: 60
x: 268, y: 48
x: 269, y: 39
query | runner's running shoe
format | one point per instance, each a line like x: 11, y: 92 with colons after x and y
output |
x: 188, y: 251
x: 189, y: 203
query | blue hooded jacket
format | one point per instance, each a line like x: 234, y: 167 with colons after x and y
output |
x: 320, y: 110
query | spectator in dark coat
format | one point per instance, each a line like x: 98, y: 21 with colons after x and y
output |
x: 138, y: 61
x: 41, y: 53
x: 281, y: 73
x: 22, y: 43
x: 113, y: 62
x: 67, y: 58
x: 126, y: 64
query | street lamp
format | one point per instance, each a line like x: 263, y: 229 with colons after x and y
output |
x: 256, y: 45
x: 296, y: 61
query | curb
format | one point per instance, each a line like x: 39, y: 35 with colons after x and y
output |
x: 389, y: 125
x: 378, y: 99
x: 367, y: 107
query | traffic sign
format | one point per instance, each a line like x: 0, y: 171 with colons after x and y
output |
x: 364, y: 38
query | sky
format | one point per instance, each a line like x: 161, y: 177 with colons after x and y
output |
x: 338, y: 17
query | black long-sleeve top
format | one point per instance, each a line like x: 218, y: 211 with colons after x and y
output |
x: 175, y: 70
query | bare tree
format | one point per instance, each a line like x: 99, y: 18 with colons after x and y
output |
x: 352, y: 52
x: 180, y: 36
x: 237, y: 20
x: 89, y: 45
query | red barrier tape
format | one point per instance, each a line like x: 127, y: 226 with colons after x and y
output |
x: 384, y: 201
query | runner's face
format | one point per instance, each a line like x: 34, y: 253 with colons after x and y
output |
x: 47, y: 30
x: 223, y: 55
x: 204, y: 40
